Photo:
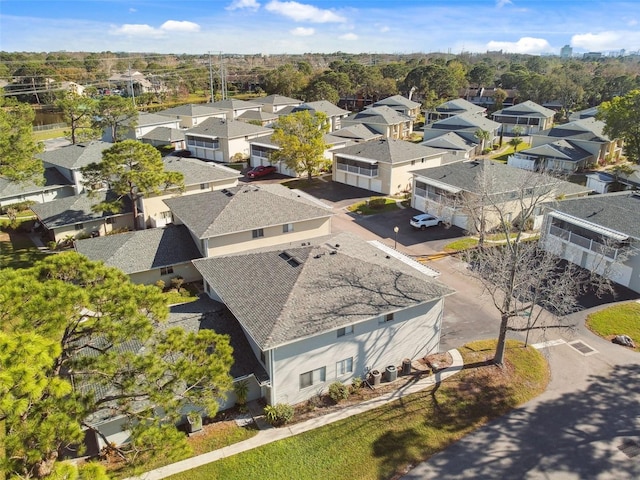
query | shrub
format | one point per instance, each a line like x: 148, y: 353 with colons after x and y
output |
x: 356, y: 385
x: 20, y: 206
x: 377, y: 203
x: 176, y: 282
x: 338, y: 392
x: 52, y: 245
x: 160, y: 284
x: 278, y: 414
x: 241, y: 389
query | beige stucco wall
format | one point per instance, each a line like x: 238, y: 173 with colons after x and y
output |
x: 185, y: 270
x: 120, y: 221
x: 242, y: 241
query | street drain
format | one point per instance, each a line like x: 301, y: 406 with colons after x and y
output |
x: 582, y: 347
x: 630, y: 448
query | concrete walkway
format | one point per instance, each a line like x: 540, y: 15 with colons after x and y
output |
x: 274, y: 434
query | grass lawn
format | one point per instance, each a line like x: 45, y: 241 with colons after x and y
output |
x: 380, y: 443
x: 621, y: 319
x: 48, y: 134
x: 365, y: 209
x: 18, y: 251
x: 461, y: 244
x: 504, y: 154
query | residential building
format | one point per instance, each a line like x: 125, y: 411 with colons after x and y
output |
x: 69, y: 160
x: 132, y: 82
x: 275, y: 103
x: 401, y: 105
x: 460, y: 145
x: 561, y: 156
x: 147, y: 256
x: 234, y: 108
x: 600, y: 233
x: 582, y: 114
x: 264, y: 119
x: 454, y: 107
x: 144, y: 123
x: 453, y: 190
x: 249, y: 216
x: 73, y: 217
x: 199, y: 177
x: 335, y: 115
x: 219, y: 140
x: 165, y: 137
x: 192, y: 114
x: 382, y: 166
x: 55, y: 186
x: 485, y: 96
x: 328, y: 310
x: 615, y: 179
x: 384, y: 120
x: 528, y: 116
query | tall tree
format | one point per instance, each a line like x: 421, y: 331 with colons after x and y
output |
x: 18, y: 149
x: 131, y: 169
x: 115, y: 113
x: 285, y: 80
x: 622, y: 120
x: 69, y: 316
x: 300, y: 137
x: 483, y: 136
x: 78, y: 112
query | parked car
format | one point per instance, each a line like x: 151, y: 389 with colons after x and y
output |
x: 425, y: 220
x: 261, y: 171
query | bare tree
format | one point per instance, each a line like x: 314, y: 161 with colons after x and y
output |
x: 531, y: 288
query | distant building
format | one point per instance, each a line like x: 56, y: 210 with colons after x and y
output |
x: 592, y: 56
x: 566, y: 51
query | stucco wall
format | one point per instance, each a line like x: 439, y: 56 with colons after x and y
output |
x: 185, y: 270
x: 121, y: 221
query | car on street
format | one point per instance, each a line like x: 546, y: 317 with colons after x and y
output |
x: 425, y: 220
x: 261, y: 171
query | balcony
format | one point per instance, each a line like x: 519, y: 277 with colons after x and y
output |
x: 364, y: 171
x: 583, y: 242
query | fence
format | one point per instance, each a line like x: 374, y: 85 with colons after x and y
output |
x: 51, y: 126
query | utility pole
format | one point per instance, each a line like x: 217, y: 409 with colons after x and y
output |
x: 133, y: 94
x: 223, y: 78
x: 210, y: 79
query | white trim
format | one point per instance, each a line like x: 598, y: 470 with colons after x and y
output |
x: 435, y: 183
x: 404, y: 259
x: 589, y: 226
x: 355, y: 157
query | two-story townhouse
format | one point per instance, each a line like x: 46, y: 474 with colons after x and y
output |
x: 600, y: 233
x: 234, y: 108
x: 249, y: 216
x: 528, y: 116
x: 455, y: 191
x: 615, y: 180
x: 144, y: 123
x: 55, y: 186
x: 70, y: 160
x: 454, y: 107
x: 193, y: 114
x: 199, y: 177
x: 218, y: 139
x: 335, y: 115
x: 384, y: 120
x: 383, y: 165
x: 328, y: 310
x: 401, y: 105
x: 274, y: 103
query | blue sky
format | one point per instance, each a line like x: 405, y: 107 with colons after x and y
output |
x: 354, y: 26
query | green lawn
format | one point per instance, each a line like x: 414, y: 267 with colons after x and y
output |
x: 18, y: 251
x: 365, y: 209
x: 623, y: 319
x: 504, y: 154
x: 48, y: 134
x: 380, y: 443
x: 461, y: 244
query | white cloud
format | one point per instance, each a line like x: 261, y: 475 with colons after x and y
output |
x: 632, y: 23
x: 302, y: 32
x: 239, y: 4
x: 180, y: 26
x: 301, y: 12
x: 609, y: 40
x: 502, y: 3
x: 136, y: 30
x: 132, y: 10
x: 528, y: 45
x: 383, y: 28
x: 348, y: 36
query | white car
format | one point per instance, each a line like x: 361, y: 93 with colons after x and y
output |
x: 425, y: 220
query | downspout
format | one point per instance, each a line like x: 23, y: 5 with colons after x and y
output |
x: 272, y: 375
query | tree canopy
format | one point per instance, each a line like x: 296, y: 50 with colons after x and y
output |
x: 18, y: 161
x: 79, y: 341
x: 300, y: 137
x: 115, y: 113
x: 78, y: 112
x: 622, y: 120
x: 132, y: 169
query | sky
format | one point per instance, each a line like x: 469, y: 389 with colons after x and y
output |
x: 319, y: 26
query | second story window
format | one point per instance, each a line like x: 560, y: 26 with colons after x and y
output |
x: 257, y: 233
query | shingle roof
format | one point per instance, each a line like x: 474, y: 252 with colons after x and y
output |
x: 75, y: 156
x: 388, y: 151
x: 561, y: 149
x: 277, y: 100
x: 191, y: 110
x: 397, y: 100
x: 467, y: 176
x: 465, y: 120
x: 618, y: 211
x: 323, y: 106
x: 304, y: 291
x: 210, y: 315
x: 255, y: 115
x: 196, y: 171
x: 142, y: 250
x: 449, y: 140
x: 584, y: 129
x: 164, y: 134
x: 359, y: 131
x: 223, y: 128
x: 75, y: 209
x: 459, y: 105
x: 379, y: 115
x: 52, y: 180
x: 526, y: 109
x: 146, y: 119
x: 233, y: 104
x: 243, y: 208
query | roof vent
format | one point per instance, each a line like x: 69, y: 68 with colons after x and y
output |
x: 332, y: 252
x: 337, y: 245
x: 227, y: 192
x: 294, y: 262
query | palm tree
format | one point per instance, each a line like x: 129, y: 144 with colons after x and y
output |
x: 483, y: 136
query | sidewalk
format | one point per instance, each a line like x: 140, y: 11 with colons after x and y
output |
x: 274, y: 434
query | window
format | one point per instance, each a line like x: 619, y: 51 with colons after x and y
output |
x: 345, y: 331
x: 166, y: 215
x: 78, y: 226
x: 344, y: 366
x: 263, y: 358
x: 257, y: 233
x: 204, y: 186
x: 387, y: 318
x: 110, y: 221
x: 166, y: 270
x: 287, y: 227
x: 313, y: 377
